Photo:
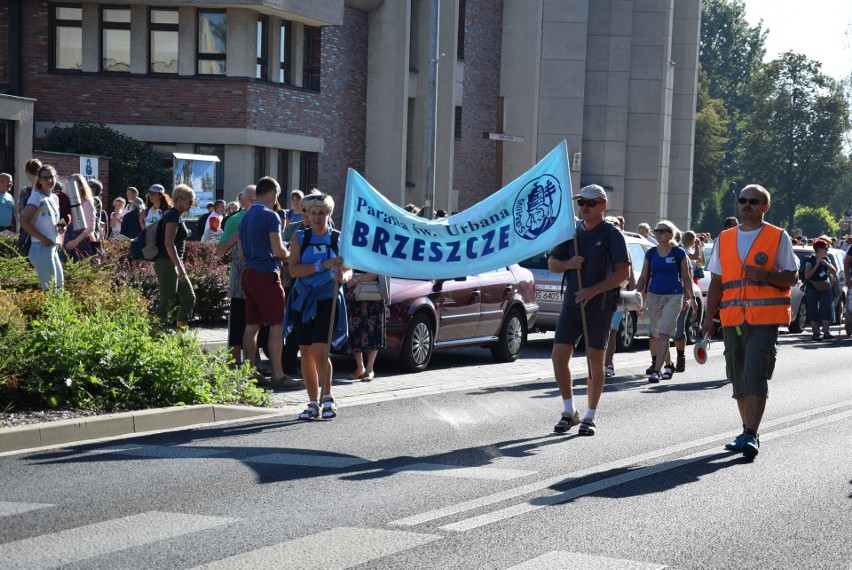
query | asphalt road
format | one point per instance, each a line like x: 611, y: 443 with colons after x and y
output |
x: 464, y: 472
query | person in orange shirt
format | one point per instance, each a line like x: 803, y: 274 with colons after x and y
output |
x: 753, y: 267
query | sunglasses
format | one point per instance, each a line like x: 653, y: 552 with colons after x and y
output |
x: 662, y: 231
x: 752, y: 201
x: 590, y: 203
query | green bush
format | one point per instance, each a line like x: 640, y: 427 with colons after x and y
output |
x: 106, y: 357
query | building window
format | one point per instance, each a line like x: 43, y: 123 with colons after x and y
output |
x: 212, y: 42
x: 284, y: 74
x: 115, y: 39
x: 67, y: 34
x: 458, y: 122
x: 262, y: 46
x: 311, y: 67
x: 259, y: 163
x: 460, y: 47
x: 163, y: 26
x: 215, y: 150
x: 284, y: 171
x: 308, y: 171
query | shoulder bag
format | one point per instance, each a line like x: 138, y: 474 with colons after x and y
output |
x: 378, y: 290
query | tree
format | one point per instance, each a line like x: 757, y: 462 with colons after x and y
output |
x: 793, y: 142
x: 814, y: 222
x: 711, y: 127
x: 132, y: 163
x: 731, y: 52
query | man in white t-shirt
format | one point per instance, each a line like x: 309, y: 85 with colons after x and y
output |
x: 753, y: 268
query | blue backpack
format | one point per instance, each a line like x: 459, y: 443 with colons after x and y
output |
x: 144, y: 246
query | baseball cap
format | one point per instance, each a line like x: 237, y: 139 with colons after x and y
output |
x: 592, y: 192
x: 157, y: 188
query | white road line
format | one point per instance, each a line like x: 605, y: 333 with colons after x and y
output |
x: 597, y: 486
x: 537, y: 486
x: 494, y: 473
x: 9, y: 508
x: 342, y: 547
x: 308, y: 460
x: 85, y: 542
x: 559, y: 559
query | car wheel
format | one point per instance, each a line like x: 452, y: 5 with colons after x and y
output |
x: 626, y: 334
x: 848, y: 323
x: 692, y: 328
x: 418, y: 344
x: 800, y: 322
x: 512, y: 337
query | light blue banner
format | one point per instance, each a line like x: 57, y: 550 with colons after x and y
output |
x: 530, y: 215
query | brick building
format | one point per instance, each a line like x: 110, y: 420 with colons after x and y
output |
x: 305, y: 90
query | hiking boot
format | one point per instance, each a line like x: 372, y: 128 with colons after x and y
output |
x: 566, y: 422
x: 587, y: 427
x: 653, y: 368
x: 737, y: 443
x: 751, y: 446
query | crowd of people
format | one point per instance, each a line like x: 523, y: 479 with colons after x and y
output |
x: 292, y: 294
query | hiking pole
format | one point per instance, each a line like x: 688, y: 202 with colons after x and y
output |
x: 582, y: 306
x: 324, y: 384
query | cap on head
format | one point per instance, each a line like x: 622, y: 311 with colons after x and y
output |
x: 157, y: 188
x: 592, y: 192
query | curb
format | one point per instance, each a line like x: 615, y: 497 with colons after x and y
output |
x: 30, y: 437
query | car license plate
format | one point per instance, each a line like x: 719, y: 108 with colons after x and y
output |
x: 548, y: 296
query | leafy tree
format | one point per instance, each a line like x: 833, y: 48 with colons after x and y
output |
x: 815, y: 222
x: 132, y: 163
x: 731, y: 52
x: 711, y: 127
x: 793, y: 142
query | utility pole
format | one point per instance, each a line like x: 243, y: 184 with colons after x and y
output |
x: 432, y: 115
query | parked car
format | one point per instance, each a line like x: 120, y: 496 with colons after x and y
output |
x: 548, y: 286
x: 493, y: 309
x: 799, y: 308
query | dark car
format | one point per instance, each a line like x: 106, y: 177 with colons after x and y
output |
x: 493, y: 309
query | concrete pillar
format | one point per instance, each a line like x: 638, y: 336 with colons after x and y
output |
x: 242, y: 43
x: 387, y: 99
x: 239, y: 169
x: 187, y: 40
x: 295, y: 170
x: 91, y: 40
x: 445, y: 128
x: 274, y: 48
x: 520, y: 76
x: 139, y: 39
x: 297, y: 52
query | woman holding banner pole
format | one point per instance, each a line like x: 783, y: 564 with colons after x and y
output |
x: 313, y: 308
x: 595, y: 263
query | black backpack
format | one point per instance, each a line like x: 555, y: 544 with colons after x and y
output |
x: 335, y: 237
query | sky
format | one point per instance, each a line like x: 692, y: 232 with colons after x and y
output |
x: 816, y: 28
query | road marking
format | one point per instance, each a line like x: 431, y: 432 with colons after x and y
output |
x: 308, y: 460
x: 537, y: 486
x: 559, y: 559
x: 8, y: 508
x: 341, y: 547
x: 85, y: 542
x: 161, y: 451
x: 493, y: 473
x: 597, y: 486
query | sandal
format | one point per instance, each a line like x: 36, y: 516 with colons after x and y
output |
x: 667, y: 372
x: 329, y: 408
x: 609, y: 371
x: 368, y: 377
x: 356, y: 376
x: 311, y: 412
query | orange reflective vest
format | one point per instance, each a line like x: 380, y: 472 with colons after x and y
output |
x: 748, y: 301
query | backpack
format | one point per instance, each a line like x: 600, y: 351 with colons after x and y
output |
x: 335, y: 237
x: 809, y: 259
x: 144, y: 246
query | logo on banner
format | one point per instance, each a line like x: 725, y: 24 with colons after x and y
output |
x: 537, y: 206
